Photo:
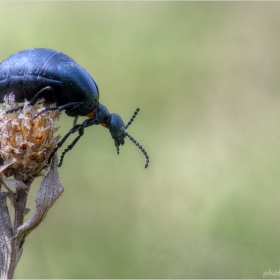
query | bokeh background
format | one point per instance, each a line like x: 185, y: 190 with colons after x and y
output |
x: 206, y: 77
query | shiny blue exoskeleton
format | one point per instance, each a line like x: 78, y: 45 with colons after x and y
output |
x: 43, y: 73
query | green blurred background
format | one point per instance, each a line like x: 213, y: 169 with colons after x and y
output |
x: 206, y: 77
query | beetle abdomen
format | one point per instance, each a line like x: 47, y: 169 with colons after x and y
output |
x: 26, y: 72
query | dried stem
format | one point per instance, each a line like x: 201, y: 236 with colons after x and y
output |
x: 6, y: 234
x: 11, y: 246
x: 12, y: 236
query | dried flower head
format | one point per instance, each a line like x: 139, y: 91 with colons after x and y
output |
x: 26, y: 143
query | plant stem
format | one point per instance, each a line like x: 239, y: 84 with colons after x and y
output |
x: 11, y: 245
x: 12, y: 236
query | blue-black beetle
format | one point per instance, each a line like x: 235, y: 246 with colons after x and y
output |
x: 36, y: 73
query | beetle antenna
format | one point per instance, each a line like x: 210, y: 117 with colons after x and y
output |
x: 132, y: 118
x: 138, y: 145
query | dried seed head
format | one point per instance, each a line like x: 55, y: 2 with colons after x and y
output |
x: 26, y: 144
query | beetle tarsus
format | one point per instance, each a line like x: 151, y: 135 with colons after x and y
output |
x: 15, y: 109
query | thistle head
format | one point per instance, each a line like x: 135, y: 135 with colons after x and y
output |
x: 26, y: 143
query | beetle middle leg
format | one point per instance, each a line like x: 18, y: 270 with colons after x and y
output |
x: 71, y: 105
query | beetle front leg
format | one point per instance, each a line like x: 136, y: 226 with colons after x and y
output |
x: 70, y: 147
x: 75, y: 121
x: 60, y: 143
x: 86, y: 123
x: 78, y: 127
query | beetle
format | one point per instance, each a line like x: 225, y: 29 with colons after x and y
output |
x: 45, y: 73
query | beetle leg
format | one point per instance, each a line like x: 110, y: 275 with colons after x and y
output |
x: 14, y: 109
x: 78, y: 127
x: 60, y: 108
x: 75, y: 121
x: 81, y: 133
x: 40, y: 94
x: 74, y: 129
x: 37, y: 96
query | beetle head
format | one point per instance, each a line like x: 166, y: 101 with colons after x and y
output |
x: 117, y: 129
x: 115, y: 124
